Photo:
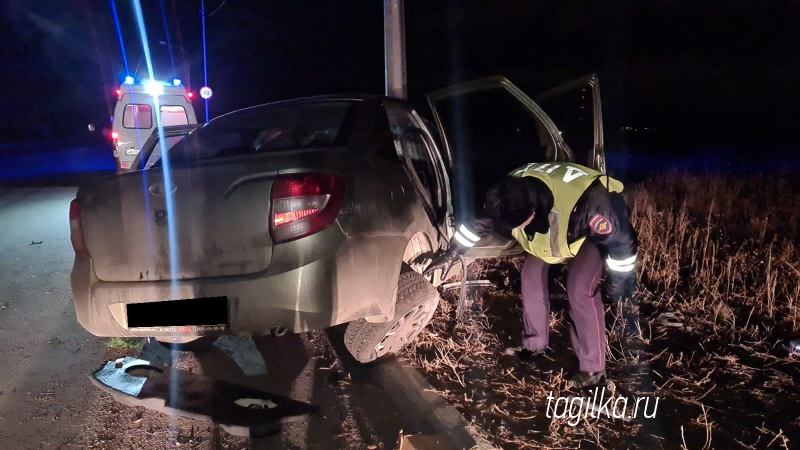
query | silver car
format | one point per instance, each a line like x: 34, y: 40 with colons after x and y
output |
x: 308, y: 213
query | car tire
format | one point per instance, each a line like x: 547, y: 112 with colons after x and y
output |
x: 187, y: 344
x: 417, y: 301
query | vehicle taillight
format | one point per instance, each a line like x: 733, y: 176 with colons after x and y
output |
x: 304, y: 204
x: 75, y: 231
x: 190, y: 94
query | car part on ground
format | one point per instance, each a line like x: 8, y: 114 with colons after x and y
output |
x: 417, y: 301
x: 669, y: 319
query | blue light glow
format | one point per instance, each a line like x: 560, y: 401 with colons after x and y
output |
x: 129, y: 80
x: 176, y: 82
x: 119, y: 35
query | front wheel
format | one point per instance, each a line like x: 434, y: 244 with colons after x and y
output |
x: 416, y: 302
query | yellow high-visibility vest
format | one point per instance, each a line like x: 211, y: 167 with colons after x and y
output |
x: 567, y: 182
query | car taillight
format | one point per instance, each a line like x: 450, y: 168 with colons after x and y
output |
x: 75, y: 232
x: 304, y: 204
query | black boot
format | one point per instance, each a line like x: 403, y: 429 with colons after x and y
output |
x: 583, y: 380
x: 523, y: 353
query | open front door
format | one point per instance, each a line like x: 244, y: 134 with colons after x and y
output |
x: 489, y: 127
x: 576, y: 109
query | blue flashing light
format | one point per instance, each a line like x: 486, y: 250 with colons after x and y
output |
x: 129, y: 80
x: 176, y: 82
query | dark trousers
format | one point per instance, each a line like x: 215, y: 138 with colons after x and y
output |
x: 588, y: 331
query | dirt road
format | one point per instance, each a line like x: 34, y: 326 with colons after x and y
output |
x: 47, y: 400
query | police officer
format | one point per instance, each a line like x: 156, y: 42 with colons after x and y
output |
x: 557, y: 212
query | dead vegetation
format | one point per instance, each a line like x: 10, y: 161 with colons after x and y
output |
x: 720, y: 254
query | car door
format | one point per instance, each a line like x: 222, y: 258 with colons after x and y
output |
x: 575, y: 108
x: 489, y: 127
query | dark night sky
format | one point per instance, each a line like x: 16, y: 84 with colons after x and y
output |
x: 720, y: 72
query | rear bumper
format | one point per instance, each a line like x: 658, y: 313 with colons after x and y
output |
x: 124, y: 162
x: 311, y: 284
x: 299, y: 300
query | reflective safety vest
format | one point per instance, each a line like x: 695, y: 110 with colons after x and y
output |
x: 567, y: 182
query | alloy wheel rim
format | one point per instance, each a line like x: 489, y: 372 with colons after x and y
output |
x: 403, y: 330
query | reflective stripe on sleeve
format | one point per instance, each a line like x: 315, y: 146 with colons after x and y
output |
x: 462, y: 240
x: 468, y: 234
x: 624, y: 265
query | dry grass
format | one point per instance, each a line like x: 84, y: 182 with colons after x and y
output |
x: 720, y: 254
x: 721, y: 250
x: 125, y: 343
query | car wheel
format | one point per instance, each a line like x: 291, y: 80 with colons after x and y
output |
x: 416, y: 302
x: 187, y: 344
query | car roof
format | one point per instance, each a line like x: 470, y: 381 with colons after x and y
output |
x: 315, y: 99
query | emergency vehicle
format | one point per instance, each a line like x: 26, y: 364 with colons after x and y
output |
x: 134, y: 119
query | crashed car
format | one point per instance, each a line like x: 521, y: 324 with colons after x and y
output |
x: 309, y: 213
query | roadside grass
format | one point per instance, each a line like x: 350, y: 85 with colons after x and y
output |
x: 722, y: 255
x: 126, y: 343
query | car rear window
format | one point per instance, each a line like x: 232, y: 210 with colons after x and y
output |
x: 137, y: 116
x: 267, y: 129
x: 173, y: 115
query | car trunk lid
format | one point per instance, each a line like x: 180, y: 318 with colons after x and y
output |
x: 219, y: 217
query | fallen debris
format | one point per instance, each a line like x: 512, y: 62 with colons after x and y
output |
x: 238, y: 409
x: 669, y: 319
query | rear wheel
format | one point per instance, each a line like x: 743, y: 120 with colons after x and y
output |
x: 188, y: 344
x: 416, y: 302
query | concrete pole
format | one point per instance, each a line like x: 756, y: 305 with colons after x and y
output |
x: 394, y: 34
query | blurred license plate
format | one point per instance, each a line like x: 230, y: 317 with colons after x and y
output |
x: 131, y: 151
x: 194, y: 315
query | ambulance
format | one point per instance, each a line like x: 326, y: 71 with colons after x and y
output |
x: 134, y: 114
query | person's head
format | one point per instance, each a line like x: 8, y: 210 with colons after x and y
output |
x: 519, y: 202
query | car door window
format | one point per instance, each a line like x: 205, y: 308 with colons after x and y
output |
x: 488, y: 128
x: 173, y: 115
x: 137, y: 116
x: 489, y: 132
x: 414, y: 145
x: 155, y: 156
x: 411, y: 141
x: 576, y: 110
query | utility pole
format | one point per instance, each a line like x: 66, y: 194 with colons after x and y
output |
x: 394, y: 34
